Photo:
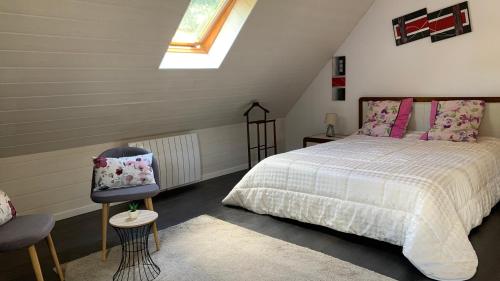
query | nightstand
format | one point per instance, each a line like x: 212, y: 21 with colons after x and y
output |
x: 320, y: 138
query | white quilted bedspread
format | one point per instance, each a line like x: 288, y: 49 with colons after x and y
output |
x: 423, y: 195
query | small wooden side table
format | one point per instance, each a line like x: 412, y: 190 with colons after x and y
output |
x: 136, y: 262
x: 320, y: 138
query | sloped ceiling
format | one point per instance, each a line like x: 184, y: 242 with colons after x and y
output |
x: 79, y: 72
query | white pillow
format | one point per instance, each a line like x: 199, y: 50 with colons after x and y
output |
x: 123, y: 172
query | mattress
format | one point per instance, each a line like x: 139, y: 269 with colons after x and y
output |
x: 425, y: 196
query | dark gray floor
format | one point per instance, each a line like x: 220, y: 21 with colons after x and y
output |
x: 79, y: 236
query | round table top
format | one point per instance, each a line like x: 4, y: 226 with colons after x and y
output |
x: 122, y: 220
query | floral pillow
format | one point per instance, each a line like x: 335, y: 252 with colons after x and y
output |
x: 123, y: 172
x: 455, y: 120
x: 7, y: 210
x: 387, y: 118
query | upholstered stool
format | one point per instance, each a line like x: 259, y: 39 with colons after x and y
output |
x: 24, y: 232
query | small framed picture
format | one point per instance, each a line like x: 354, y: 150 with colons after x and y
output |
x: 338, y: 94
x: 340, y: 65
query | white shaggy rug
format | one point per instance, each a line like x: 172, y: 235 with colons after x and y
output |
x: 206, y: 248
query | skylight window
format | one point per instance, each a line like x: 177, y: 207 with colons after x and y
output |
x: 206, y: 33
x: 200, y: 25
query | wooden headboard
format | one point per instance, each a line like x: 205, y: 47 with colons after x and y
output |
x: 490, y: 125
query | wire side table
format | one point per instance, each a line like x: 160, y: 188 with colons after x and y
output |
x: 136, y: 262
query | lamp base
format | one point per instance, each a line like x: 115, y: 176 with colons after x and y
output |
x: 330, y: 131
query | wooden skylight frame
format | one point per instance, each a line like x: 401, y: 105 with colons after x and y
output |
x: 210, y: 34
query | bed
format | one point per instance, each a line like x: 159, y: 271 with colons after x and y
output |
x: 425, y: 196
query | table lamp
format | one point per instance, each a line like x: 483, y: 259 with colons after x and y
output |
x: 330, y: 120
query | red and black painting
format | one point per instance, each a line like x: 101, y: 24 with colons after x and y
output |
x: 449, y: 22
x: 338, y: 82
x: 411, y: 27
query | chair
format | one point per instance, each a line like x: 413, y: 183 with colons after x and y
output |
x: 26, y: 231
x: 142, y: 192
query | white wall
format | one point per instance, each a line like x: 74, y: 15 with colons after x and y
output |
x: 467, y: 65
x: 58, y: 182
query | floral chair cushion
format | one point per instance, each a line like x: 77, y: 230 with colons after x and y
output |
x: 123, y: 172
x: 387, y: 118
x: 456, y: 120
x: 7, y: 210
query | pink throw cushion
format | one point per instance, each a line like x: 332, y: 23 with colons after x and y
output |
x: 456, y: 120
x: 404, y: 114
x: 387, y: 118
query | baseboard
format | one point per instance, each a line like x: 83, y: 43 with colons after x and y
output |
x: 77, y: 211
x: 207, y: 176
x: 92, y: 207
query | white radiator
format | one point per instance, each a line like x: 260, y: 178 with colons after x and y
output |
x: 178, y: 159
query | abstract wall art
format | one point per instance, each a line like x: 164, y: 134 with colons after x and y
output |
x: 340, y: 65
x: 449, y: 22
x: 338, y: 78
x: 411, y: 27
x: 439, y: 25
x: 338, y: 82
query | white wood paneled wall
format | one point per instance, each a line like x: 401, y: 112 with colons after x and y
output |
x: 58, y: 182
x: 82, y: 72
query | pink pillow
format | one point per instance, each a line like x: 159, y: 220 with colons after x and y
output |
x: 387, y: 118
x: 404, y: 114
x: 455, y: 120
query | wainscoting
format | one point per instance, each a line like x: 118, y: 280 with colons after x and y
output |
x: 58, y: 182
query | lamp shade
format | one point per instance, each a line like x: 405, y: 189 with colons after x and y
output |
x: 331, y: 118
